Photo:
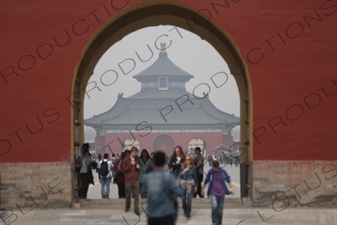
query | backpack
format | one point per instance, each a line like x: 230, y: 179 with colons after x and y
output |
x: 104, y: 170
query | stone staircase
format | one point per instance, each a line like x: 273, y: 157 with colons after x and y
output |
x: 120, y: 203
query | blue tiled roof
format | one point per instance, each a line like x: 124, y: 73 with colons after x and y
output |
x: 158, y: 103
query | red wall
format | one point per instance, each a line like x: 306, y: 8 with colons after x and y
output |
x: 146, y: 140
x: 291, y: 62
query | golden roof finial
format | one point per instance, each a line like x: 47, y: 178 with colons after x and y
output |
x: 163, y: 46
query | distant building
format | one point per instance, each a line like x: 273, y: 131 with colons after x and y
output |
x: 162, y: 115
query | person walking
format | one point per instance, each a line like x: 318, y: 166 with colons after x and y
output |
x: 162, y: 190
x: 119, y: 177
x: 199, y: 164
x: 149, y: 169
x: 131, y: 169
x: 105, y: 168
x: 210, y: 160
x: 216, y: 178
x: 220, y: 159
x: 176, y: 160
x: 145, y: 162
x: 113, y: 158
x: 188, y: 180
x: 84, y: 178
x: 231, y: 160
x: 98, y: 161
x: 99, y: 158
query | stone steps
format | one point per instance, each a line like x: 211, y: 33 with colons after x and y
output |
x: 200, y: 216
x: 117, y: 203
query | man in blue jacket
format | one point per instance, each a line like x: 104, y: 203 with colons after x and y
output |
x: 161, y: 189
x: 217, y: 178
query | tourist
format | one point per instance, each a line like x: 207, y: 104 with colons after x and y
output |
x: 119, y: 177
x: 231, y: 160
x: 78, y: 165
x: 86, y: 160
x: 226, y: 159
x: 99, y: 158
x: 113, y: 158
x: 210, y: 160
x: 176, y: 160
x: 199, y: 164
x: 98, y: 161
x: 105, y: 168
x: 220, y: 159
x: 131, y: 169
x: 145, y: 162
x: 149, y: 169
x: 217, y: 189
x: 236, y: 160
x: 90, y: 176
x: 188, y: 180
x: 167, y: 159
x: 162, y: 190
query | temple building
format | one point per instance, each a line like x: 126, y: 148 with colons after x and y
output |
x: 162, y: 115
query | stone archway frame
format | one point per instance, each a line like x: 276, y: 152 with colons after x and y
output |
x: 164, y: 12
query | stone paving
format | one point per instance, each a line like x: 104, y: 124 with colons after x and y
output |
x: 232, y: 216
x: 97, y: 212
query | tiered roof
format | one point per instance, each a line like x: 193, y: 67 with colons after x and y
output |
x: 147, y: 104
x: 153, y: 116
x: 163, y: 66
x: 157, y: 104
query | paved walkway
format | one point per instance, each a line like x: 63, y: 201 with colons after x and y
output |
x: 232, y: 216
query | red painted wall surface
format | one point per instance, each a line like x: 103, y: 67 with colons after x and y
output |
x: 146, y: 140
x: 291, y: 62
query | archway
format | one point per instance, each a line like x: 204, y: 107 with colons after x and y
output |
x: 197, y: 142
x: 164, y: 143
x: 128, y: 143
x: 164, y: 13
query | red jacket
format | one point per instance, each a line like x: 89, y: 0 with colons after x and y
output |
x: 130, y: 171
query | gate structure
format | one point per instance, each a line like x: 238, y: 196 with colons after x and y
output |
x: 281, y: 53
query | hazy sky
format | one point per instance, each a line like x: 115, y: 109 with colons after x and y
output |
x: 187, y: 51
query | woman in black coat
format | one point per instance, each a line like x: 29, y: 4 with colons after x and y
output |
x: 178, y: 157
x: 85, y: 171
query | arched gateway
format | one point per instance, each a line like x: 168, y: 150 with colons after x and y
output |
x: 216, y: 122
x: 292, y: 128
